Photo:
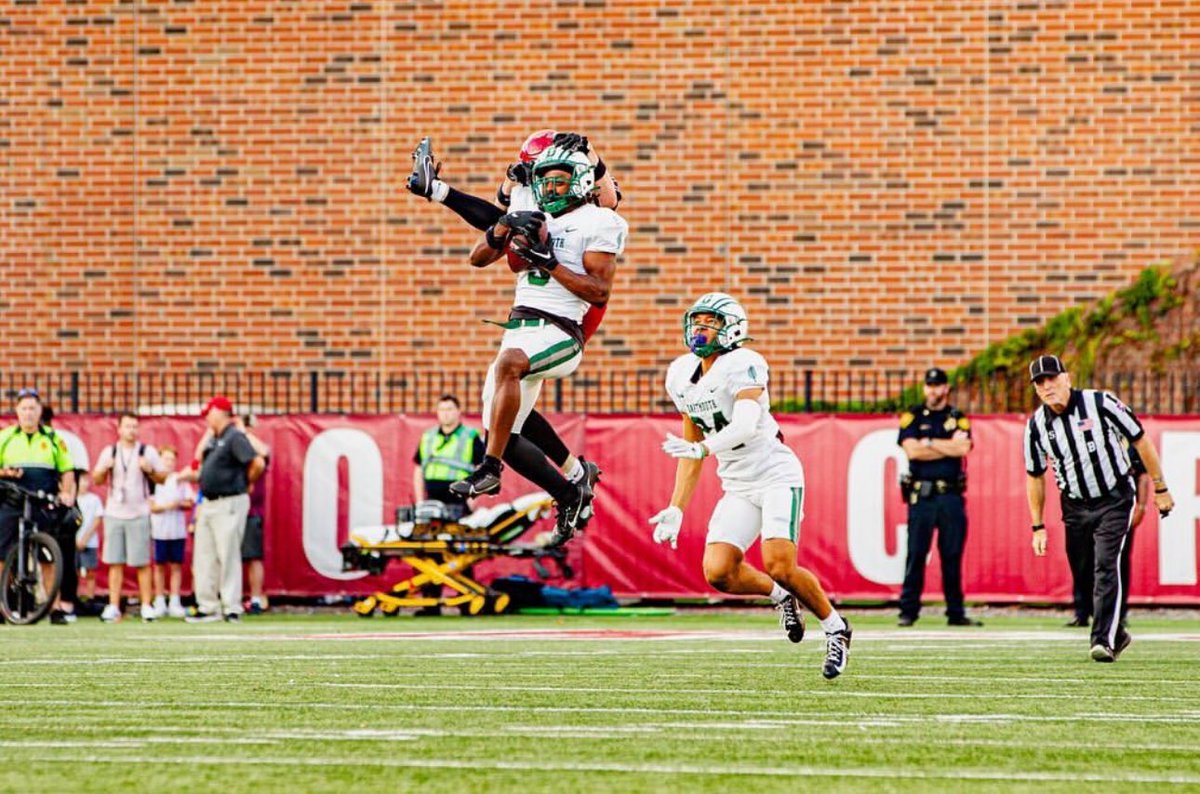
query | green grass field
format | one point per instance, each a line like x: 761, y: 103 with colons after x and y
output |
x: 715, y: 702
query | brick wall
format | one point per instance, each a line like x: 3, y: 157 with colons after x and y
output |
x: 220, y: 184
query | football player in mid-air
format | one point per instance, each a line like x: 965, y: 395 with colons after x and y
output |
x: 720, y: 387
x: 567, y: 251
x: 516, y: 192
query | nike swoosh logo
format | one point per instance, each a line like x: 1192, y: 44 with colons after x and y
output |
x: 572, y: 229
x: 544, y: 257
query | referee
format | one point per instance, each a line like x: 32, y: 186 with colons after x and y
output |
x: 1079, y: 431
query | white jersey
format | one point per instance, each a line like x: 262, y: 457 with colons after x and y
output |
x: 763, y: 461
x: 521, y: 199
x: 585, y: 228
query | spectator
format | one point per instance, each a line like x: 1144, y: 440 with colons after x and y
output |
x: 87, y: 539
x: 228, y: 466
x: 252, y: 540
x: 168, y: 529
x: 133, y: 467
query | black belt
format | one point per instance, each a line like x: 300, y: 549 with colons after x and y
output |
x: 215, y: 496
x: 938, y: 487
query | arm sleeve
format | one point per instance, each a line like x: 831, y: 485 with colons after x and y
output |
x: 740, y: 429
x: 1120, y: 415
x: 478, y: 450
x: 908, y: 427
x: 1035, y: 462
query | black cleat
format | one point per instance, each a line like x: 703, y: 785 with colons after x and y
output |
x: 425, y: 170
x: 568, y: 519
x: 1078, y: 623
x: 1123, y: 640
x: 963, y: 620
x: 591, y: 476
x: 482, y: 481
x: 1103, y: 653
x: 837, y: 652
x: 791, y: 618
x: 906, y: 621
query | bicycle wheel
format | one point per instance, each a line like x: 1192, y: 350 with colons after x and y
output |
x: 27, y: 595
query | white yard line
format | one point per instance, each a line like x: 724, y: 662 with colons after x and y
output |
x: 542, y: 765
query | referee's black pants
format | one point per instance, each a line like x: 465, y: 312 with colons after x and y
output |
x: 1107, y: 520
x: 946, y: 513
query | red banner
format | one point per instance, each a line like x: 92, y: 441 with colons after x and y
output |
x: 329, y: 473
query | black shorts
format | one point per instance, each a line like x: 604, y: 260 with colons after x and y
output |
x: 252, y: 539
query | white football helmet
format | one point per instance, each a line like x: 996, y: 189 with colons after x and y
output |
x: 733, y: 327
x: 581, y: 182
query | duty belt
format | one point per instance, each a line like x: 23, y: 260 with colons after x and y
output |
x: 936, y: 486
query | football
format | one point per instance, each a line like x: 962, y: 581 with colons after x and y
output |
x: 515, y: 263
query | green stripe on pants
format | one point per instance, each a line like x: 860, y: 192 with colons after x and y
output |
x: 553, y: 356
x: 797, y: 498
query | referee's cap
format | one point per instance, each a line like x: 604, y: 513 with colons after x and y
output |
x: 1045, y: 366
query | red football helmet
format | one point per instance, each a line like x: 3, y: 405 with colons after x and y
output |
x: 535, y: 144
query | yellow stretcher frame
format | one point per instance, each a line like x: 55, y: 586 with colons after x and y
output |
x: 444, y: 555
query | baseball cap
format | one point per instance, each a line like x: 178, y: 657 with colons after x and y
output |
x: 935, y: 376
x: 1045, y: 365
x: 220, y: 403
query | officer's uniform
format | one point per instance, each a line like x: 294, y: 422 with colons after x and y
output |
x: 935, y: 500
x: 42, y: 456
x: 445, y: 458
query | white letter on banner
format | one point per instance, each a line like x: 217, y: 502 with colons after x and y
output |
x: 1177, y: 532
x: 866, y: 493
x: 321, y: 495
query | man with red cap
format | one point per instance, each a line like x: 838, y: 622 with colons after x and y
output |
x: 228, y: 465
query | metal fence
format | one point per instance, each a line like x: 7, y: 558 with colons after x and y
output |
x: 635, y: 391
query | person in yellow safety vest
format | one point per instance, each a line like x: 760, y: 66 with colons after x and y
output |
x: 36, y: 458
x: 446, y: 453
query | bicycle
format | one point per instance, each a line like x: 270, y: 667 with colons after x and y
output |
x: 33, y: 567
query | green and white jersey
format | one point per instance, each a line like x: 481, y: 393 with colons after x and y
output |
x: 764, y: 461
x: 586, y: 228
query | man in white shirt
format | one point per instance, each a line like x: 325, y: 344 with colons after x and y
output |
x: 134, y: 468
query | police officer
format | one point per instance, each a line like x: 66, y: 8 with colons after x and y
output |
x: 936, y: 437
x: 447, y: 453
x: 1080, y: 432
x: 36, y: 458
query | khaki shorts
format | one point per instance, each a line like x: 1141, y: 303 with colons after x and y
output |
x: 126, y: 541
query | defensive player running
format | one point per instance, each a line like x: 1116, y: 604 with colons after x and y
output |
x: 570, y: 259
x: 516, y: 191
x: 721, y: 390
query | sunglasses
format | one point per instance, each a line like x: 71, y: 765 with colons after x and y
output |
x: 23, y: 393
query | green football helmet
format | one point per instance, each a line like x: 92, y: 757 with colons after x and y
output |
x: 732, y: 326
x: 580, y: 178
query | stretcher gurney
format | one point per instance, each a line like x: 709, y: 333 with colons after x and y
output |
x: 441, y: 550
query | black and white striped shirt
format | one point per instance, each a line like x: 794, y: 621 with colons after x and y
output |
x: 1083, y: 443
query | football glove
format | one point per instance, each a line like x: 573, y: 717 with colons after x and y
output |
x: 666, y: 525
x: 676, y: 447
x: 572, y: 141
x: 535, y: 252
x: 521, y: 173
x: 526, y: 222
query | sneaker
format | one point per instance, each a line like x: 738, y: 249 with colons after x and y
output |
x: 568, y: 515
x: 906, y: 621
x: 1077, y: 623
x: 149, y: 613
x: 591, y: 475
x: 255, y: 607
x: 480, y: 482
x: 176, y: 610
x: 1102, y: 653
x: 233, y: 617
x: 1123, y: 640
x: 963, y: 620
x: 837, y: 652
x: 791, y: 618
x: 60, y: 618
x: 203, y: 617
x: 425, y: 170
x: 160, y: 606
x: 111, y: 614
